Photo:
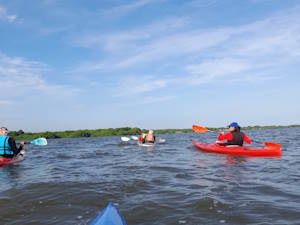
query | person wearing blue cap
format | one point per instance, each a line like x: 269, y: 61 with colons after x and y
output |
x: 235, y: 136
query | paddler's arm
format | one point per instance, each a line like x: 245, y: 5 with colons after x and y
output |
x: 223, y: 136
x: 247, y: 140
x: 13, y: 146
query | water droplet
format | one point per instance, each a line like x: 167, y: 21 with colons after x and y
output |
x: 181, y: 221
x: 79, y: 217
x: 222, y: 221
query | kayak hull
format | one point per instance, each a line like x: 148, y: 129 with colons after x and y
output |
x: 146, y: 144
x: 238, y: 150
x: 4, y: 161
x: 109, y: 216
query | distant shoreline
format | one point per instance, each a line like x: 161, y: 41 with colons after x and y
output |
x: 21, y: 135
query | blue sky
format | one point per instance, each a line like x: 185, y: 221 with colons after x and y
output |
x: 148, y: 63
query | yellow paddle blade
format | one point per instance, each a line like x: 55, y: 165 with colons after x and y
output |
x: 199, y: 129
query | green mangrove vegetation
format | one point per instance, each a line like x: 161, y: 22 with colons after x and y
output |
x: 123, y: 131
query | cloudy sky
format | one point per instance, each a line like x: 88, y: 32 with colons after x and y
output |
x: 148, y: 63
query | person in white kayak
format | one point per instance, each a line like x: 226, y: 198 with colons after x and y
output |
x: 150, y: 138
x: 142, y: 137
x: 8, y: 148
x: 147, y: 138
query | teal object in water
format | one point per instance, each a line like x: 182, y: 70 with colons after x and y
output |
x: 39, y: 141
x: 109, y: 216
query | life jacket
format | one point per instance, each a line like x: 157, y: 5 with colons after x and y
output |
x: 237, y: 138
x: 5, y: 149
x: 150, y: 138
x: 144, y: 136
x: 140, y: 138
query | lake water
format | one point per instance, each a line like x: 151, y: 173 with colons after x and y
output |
x: 71, y: 180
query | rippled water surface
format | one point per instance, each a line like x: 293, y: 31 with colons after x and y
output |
x: 71, y: 180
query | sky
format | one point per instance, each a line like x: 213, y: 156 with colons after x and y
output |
x: 148, y: 63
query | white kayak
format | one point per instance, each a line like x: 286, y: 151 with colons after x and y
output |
x: 146, y: 144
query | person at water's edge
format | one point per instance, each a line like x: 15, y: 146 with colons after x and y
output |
x: 235, y: 136
x: 8, y: 147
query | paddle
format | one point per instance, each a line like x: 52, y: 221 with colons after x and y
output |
x: 38, y: 141
x: 161, y: 141
x: 125, y: 139
x: 268, y: 144
x: 200, y: 129
x: 134, y: 138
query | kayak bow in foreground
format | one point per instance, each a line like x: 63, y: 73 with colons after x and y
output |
x: 239, y: 150
x: 109, y: 216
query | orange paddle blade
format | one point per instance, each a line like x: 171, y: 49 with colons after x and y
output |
x: 272, y: 145
x: 199, y: 129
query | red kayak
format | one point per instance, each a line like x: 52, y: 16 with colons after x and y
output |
x: 267, y: 151
x: 5, y: 161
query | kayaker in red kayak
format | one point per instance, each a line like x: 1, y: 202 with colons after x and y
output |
x: 235, y: 136
x: 8, y: 148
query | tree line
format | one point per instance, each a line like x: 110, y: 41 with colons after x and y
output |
x: 123, y: 131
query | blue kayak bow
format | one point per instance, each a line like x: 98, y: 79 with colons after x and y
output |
x: 109, y: 216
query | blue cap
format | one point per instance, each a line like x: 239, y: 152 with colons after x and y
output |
x: 234, y: 124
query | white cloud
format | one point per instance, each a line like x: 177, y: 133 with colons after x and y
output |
x: 177, y: 45
x: 19, y: 77
x: 278, y: 36
x: 210, y: 70
x: 5, y: 16
x: 124, y: 9
x: 129, y: 39
x: 119, y: 43
x: 135, y: 85
x: 248, y: 52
